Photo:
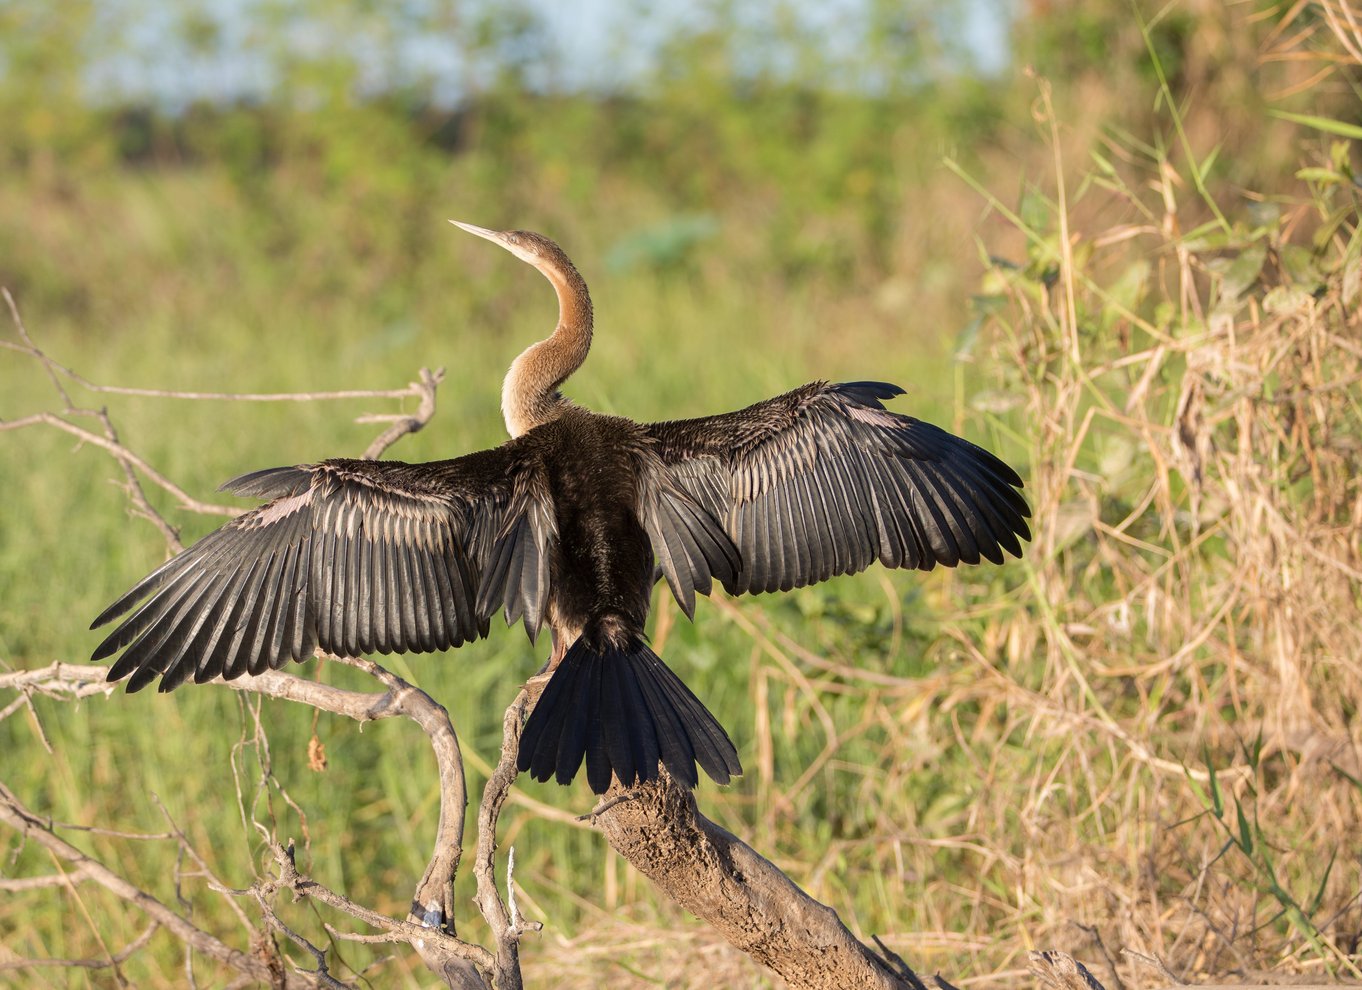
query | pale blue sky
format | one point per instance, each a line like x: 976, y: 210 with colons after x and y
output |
x: 589, y: 44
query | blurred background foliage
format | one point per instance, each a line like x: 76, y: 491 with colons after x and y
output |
x: 250, y: 196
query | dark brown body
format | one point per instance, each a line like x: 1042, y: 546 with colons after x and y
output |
x: 571, y: 523
x: 603, y: 567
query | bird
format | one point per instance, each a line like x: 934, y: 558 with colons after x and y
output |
x: 570, y: 523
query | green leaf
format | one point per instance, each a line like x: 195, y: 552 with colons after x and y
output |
x: 1103, y: 164
x: 1210, y: 236
x: 1282, y: 300
x: 1254, y: 753
x: 1318, y: 899
x: 1299, y: 263
x: 1325, y: 124
x: 1325, y: 175
x: 1197, y: 789
x: 1209, y: 161
x: 1245, y: 830
x: 1128, y: 290
x: 1034, y: 211
x: 1217, y: 800
x: 1265, y: 215
x: 1243, y: 271
x: 1347, y: 776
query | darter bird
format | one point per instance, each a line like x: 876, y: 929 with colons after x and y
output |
x: 570, y: 523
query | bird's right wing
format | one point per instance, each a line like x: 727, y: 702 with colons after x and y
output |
x: 349, y: 556
x: 818, y: 482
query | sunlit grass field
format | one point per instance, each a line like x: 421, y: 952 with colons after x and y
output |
x: 1143, y: 735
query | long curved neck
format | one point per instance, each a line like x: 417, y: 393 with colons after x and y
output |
x: 529, y: 395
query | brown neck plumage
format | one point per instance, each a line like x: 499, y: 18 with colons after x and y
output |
x: 530, y: 396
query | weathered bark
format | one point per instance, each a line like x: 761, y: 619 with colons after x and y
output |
x: 718, y: 877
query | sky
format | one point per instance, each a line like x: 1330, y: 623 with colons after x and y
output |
x: 600, y: 45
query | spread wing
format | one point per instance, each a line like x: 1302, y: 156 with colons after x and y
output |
x: 818, y: 482
x: 349, y: 556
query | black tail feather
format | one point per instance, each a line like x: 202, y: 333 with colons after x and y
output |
x: 624, y: 711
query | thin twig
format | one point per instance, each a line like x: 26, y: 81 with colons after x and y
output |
x: 188, y: 849
x: 17, y: 885
x: 185, y: 500
x: 291, y: 879
x: 1158, y: 965
x: 506, y: 973
x: 34, y: 829
x: 105, y: 963
x: 425, y: 388
x: 321, y: 974
x: 606, y: 803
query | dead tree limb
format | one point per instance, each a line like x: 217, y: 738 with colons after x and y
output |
x: 718, y: 877
x: 36, y: 829
x: 430, y: 925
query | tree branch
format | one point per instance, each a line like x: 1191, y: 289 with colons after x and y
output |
x: 505, y: 929
x: 404, y: 424
x: 430, y: 928
x: 32, y: 827
x: 118, y: 957
x: 718, y: 877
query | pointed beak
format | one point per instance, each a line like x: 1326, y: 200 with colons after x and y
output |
x: 508, y: 239
x: 495, y: 236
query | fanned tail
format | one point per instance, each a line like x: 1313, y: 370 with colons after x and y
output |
x: 624, y: 711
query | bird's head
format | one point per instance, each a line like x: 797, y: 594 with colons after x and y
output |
x: 531, y: 248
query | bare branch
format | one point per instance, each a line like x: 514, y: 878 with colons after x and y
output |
x: 33, y: 828
x: 188, y: 850
x: 423, y: 938
x: 121, y: 452
x: 400, y: 699
x: 50, y: 366
x: 506, y: 973
x: 55, y: 368
x: 321, y: 974
x: 60, y: 680
x: 437, y: 884
x: 425, y: 388
x: 718, y: 877
x: 19, y: 884
x: 118, y: 957
x: 141, y: 504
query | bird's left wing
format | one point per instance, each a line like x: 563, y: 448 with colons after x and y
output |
x: 818, y: 482
x: 349, y: 556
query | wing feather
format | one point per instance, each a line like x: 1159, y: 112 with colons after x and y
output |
x: 823, y: 481
x: 267, y: 634
x: 347, y: 556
